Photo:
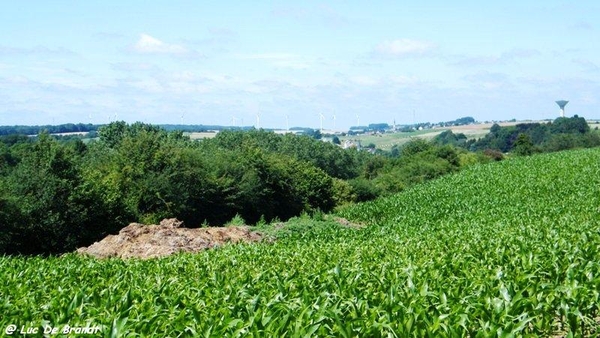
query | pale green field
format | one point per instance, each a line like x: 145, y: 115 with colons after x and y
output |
x: 198, y: 136
x: 387, y: 141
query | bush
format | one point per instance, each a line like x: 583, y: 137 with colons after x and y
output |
x: 468, y: 159
x: 415, y: 146
x: 523, y: 145
x: 493, y: 154
x: 53, y: 210
x: 365, y: 190
x: 342, y: 192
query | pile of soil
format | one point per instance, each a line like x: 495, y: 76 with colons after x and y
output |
x: 169, y: 237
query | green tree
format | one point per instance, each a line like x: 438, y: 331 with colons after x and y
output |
x: 57, y: 211
x: 523, y: 145
x: 415, y: 146
x: 448, y: 137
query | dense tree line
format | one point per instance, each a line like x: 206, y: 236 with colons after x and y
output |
x: 527, y: 138
x: 62, y: 128
x: 88, y: 127
x: 56, y: 195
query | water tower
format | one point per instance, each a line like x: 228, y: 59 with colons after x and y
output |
x: 562, y: 104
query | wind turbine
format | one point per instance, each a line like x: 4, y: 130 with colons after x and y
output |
x: 357, y: 120
x: 334, y: 122
x: 321, y: 117
x: 258, y: 120
x: 287, y: 122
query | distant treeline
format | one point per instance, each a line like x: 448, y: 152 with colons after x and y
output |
x: 62, y: 128
x: 528, y: 138
x: 428, y: 125
x: 381, y: 127
x: 199, y: 128
x: 81, y: 127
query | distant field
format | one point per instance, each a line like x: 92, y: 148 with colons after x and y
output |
x: 198, y: 136
x: 387, y: 141
x: 71, y: 133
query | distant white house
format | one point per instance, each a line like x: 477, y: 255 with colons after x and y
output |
x: 347, y: 144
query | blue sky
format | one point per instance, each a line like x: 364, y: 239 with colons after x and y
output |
x: 224, y: 62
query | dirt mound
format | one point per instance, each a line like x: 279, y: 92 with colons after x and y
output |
x: 149, y: 241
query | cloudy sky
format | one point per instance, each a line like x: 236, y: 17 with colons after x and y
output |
x: 224, y: 62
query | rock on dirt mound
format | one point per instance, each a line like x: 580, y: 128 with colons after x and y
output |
x: 149, y: 241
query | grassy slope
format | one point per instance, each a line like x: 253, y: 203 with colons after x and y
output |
x: 387, y: 141
x: 507, y: 247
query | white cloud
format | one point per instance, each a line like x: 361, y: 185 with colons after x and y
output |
x: 587, y: 65
x: 364, y: 80
x: 267, y: 56
x: 135, y: 67
x: 152, y: 45
x: 489, y: 80
x: 508, y: 57
x: 280, y: 60
x: 37, y: 50
x: 404, y: 47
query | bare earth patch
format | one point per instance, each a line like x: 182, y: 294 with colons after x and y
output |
x: 347, y: 223
x: 150, y: 241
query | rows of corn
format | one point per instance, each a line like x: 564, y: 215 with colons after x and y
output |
x: 507, y: 249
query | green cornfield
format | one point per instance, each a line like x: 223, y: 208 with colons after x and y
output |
x: 499, y: 250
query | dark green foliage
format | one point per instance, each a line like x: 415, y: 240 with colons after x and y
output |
x: 463, y: 121
x: 415, y: 146
x: 271, y: 186
x: 5, y: 157
x: 328, y: 157
x: 51, y: 209
x: 494, y: 155
x: 563, y: 133
x: 9, y: 215
x: 381, y: 127
x: 575, y: 124
x: 419, y: 161
x: 448, y: 137
x: 365, y: 190
x: 34, y: 130
x: 12, y: 139
x: 523, y: 145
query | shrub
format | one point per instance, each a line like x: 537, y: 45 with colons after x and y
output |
x: 493, y: 154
